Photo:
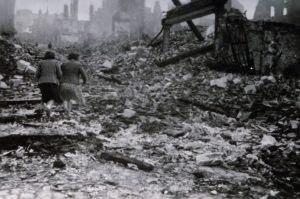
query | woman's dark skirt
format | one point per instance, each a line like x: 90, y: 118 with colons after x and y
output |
x: 49, y: 92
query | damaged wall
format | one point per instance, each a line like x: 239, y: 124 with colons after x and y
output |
x: 7, y: 10
x: 286, y: 11
x: 257, y: 46
x: 130, y: 18
x: 234, y: 4
x: 274, y: 43
x: 7, y: 50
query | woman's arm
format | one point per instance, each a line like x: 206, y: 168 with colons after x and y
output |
x: 38, y: 72
x: 83, y: 75
x: 58, y: 70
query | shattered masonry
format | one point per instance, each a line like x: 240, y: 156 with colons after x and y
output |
x: 7, y: 9
x: 286, y: 11
x: 273, y: 46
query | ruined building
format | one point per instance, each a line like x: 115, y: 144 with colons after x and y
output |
x: 59, y: 29
x: 153, y: 19
x: 7, y: 9
x: 71, y: 29
x: 92, y: 12
x: 66, y: 11
x: 24, y: 20
x: 286, y: 11
x: 104, y: 17
x: 241, y: 45
x: 74, y: 10
x: 210, y: 19
x: 45, y: 28
x: 234, y: 4
x: 157, y: 12
x: 124, y: 18
x: 130, y: 18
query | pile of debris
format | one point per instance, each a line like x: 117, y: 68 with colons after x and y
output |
x: 187, y: 90
x: 130, y: 95
x: 270, y: 99
x: 18, y: 63
x: 7, y: 50
x: 18, y: 90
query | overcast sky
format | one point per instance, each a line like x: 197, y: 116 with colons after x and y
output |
x: 56, y: 6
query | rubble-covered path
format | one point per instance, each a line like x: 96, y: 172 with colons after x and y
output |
x: 176, y: 132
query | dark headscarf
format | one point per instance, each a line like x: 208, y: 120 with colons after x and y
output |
x: 49, y: 55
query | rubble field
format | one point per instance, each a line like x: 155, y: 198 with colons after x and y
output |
x: 179, y: 131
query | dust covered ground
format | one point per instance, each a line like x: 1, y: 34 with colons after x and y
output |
x: 181, y: 131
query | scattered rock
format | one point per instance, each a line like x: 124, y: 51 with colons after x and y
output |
x: 226, y: 136
x: 222, y: 82
x: 268, y: 78
x: 107, y: 64
x: 214, y: 192
x: 187, y: 77
x: 128, y: 113
x: 3, y: 85
x: 59, y: 164
x: 243, y: 116
x: 216, y: 173
x: 209, y: 159
x: 16, y: 82
x: 237, y: 81
x: 294, y: 124
x: 175, y: 133
x: 25, y: 67
x: 250, y: 89
x: 268, y: 140
x: 120, y: 158
x: 291, y: 135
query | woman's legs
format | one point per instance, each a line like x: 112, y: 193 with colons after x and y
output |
x: 68, y: 106
x: 65, y: 105
x: 50, y: 94
x: 50, y: 104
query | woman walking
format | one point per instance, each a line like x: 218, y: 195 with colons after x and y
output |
x: 48, y: 76
x: 70, y: 90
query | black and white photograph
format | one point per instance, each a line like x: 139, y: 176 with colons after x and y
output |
x: 149, y: 99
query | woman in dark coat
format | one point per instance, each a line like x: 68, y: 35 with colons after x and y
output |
x: 48, y: 76
x: 70, y: 89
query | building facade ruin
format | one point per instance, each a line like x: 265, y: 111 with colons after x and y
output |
x: 285, y: 11
x: 130, y: 18
x: 74, y: 10
x: 7, y: 19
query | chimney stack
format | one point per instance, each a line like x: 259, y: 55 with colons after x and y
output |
x: 74, y: 10
x: 7, y: 16
x: 92, y: 12
x: 66, y: 11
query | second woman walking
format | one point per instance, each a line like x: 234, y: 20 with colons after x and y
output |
x: 70, y: 88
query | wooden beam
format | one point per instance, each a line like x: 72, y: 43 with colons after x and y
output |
x: 190, y: 23
x: 190, y: 7
x: 191, y: 15
x: 120, y: 158
x: 20, y: 101
x: 191, y: 53
x: 217, y: 39
x: 166, y: 37
x: 187, y: 12
x: 12, y: 142
x: 18, y: 118
x: 193, y: 10
x: 206, y: 107
x: 110, y: 78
